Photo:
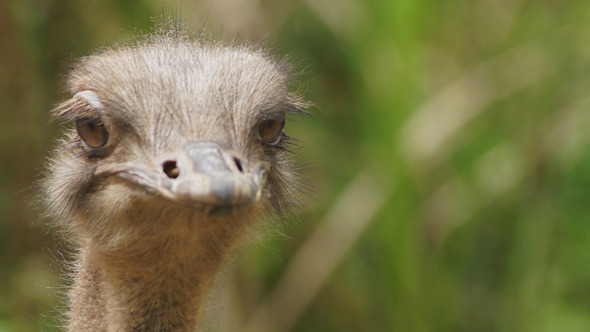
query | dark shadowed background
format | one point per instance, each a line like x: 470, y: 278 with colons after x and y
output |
x: 449, y: 152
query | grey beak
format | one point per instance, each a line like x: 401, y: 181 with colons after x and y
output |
x: 203, y: 176
x: 208, y: 174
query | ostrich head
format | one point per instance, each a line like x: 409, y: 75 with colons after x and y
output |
x: 176, y: 148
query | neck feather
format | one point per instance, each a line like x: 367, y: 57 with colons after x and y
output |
x: 156, y: 284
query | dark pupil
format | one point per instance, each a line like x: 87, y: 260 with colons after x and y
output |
x: 92, y: 132
x: 270, y: 130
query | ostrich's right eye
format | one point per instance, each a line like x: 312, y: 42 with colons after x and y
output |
x: 92, y: 132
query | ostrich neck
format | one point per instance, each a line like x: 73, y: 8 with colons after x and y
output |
x: 155, y: 284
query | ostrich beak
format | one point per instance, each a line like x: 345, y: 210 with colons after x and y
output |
x: 204, y: 175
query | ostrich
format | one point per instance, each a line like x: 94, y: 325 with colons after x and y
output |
x: 176, y: 150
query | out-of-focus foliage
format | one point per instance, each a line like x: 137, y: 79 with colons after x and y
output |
x: 449, y: 154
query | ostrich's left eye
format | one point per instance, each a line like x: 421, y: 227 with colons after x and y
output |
x: 271, y: 130
x: 93, y: 132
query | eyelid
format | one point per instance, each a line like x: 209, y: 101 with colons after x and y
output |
x: 90, y: 97
x: 275, y: 114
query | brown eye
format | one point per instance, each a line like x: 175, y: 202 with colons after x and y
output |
x: 92, y: 132
x: 270, y: 131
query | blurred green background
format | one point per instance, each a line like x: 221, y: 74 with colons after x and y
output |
x: 449, y: 152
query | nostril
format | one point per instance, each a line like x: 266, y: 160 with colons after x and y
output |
x: 238, y: 165
x: 171, y: 169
